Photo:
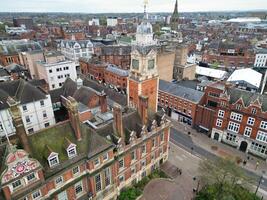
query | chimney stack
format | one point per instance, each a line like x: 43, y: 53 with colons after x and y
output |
x: 18, y: 123
x: 117, y: 114
x: 143, y: 109
x: 103, y: 102
x: 72, y: 107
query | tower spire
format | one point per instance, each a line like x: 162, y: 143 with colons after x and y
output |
x: 176, y: 7
x: 145, y: 7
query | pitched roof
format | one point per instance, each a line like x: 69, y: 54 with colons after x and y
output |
x: 247, y: 97
x: 21, y: 91
x: 114, y: 69
x: 180, y: 91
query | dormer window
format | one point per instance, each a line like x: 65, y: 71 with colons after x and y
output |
x: 72, y: 151
x: 53, y: 159
x: 238, y: 106
x: 253, y: 111
x: 16, y: 184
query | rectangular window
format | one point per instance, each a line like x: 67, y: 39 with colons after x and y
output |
x: 253, y: 111
x: 72, y: 152
x: 143, y: 163
x: 31, y: 177
x: 42, y: 103
x: 107, y: 176
x: 251, y: 121
x: 30, y: 130
x: 44, y: 114
x: 238, y: 106
x: 96, y: 162
x: 24, y: 108
x: 261, y: 136
x: 16, y: 184
x: 219, y: 123
x: 230, y: 137
x: 221, y: 113
x: 258, y: 148
x: 50, y: 70
x: 105, y: 157
x: 78, y: 188
x: 36, y: 195
x: 143, y: 149
x: 233, y: 127
x: 27, y: 119
x: 75, y: 170
x: 247, y: 131
x: 59, y: 180
x: 133, y: 156
x: 263, y: 125
x: 236, y: 116
x: 47, y: 124
x: 53, y: 161
x: 98, y: 183
x: 121, y: 163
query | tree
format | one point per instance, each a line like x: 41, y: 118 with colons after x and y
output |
x: 223, y: 179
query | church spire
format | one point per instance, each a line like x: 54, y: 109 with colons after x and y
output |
x: 176, y: 8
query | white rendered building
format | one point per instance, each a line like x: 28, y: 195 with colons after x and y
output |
x: 56, y: 69
x: 73, y: 49
x: 35, y: 106
x: 261, y: 59
x: 112, y: 21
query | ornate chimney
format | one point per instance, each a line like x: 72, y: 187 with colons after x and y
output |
x: 72, y: 107
x: 18, y: 123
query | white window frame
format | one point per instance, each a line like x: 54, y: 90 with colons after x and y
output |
x: 121, y: 166
x: 236, y: 116
x: 98, y: 184
x: 263, y: 125
x: 40, y: 194
x: 74, y: 172
x: 247, y: 131
x: 79, y: 184
x: 54, y: 156
x: 32, y: 179
x: 105, y: 157
x: 96, y: 162
x: 221, y: 113
x: 18, y: 186
x: 72, y: 148
x: 234, y: 127
x: 262, y: 136
x: 219, y: 122
x: 251, y: 121
x: 60, y: 182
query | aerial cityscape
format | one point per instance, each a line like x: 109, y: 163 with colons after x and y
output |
x: 133, y: 100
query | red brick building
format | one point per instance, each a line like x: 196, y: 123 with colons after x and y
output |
x: 240, y: 121
x: 230, y: 55
x: 116, y: 55
x: 181, y: 102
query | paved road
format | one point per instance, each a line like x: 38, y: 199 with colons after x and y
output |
x: 184, y: 141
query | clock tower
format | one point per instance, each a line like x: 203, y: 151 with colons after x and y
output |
x: 143, y: 77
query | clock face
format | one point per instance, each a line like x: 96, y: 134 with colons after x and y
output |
x: 20, y: 168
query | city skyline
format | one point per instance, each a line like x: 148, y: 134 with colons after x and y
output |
x: 122, y: 6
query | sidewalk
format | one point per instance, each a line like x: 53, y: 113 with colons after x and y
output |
x: 222, y: 150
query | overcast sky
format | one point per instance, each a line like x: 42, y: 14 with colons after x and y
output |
x: 96, y: 6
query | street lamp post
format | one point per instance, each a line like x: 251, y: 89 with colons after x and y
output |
x: 259, y: 183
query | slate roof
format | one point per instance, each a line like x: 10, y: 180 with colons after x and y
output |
x: 113, y: 95
x: 20, y: 91
x: 116, y: 50
x: 3, y: 72
x: 180, y: 91
x: 247, y: 97
x: 54, y: 138
x: 114, y: 69
x: 15, y: 68
x: 15, y: 46
x: 84, y: 94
